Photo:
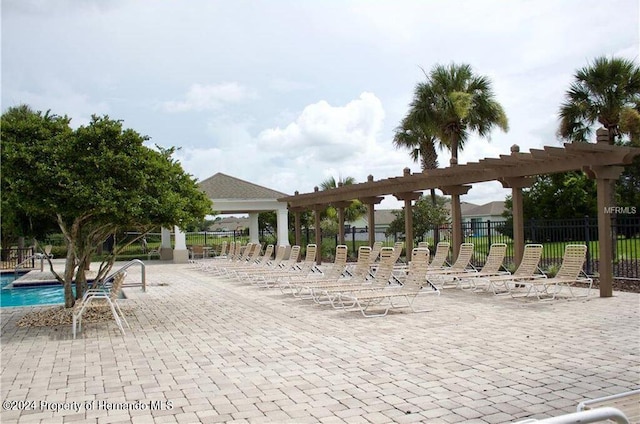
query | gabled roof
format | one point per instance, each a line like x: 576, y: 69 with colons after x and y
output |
x: 222, y: 186
x: 489, y: 209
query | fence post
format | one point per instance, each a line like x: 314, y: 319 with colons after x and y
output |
x: 587, y: 240
x: 489, y: 231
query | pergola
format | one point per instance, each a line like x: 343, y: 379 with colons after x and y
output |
x: 600, y: 161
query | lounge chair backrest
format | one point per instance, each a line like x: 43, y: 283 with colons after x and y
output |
x: 231, y: 251
x: 294, y: 254
x: 280, y: 252
x: 573, y: 261
x: 384, y: 270
x: 417, y: 269
x: 423, y: 245
x: 268, y: 252
x: 237, y: 252
x: 248, y: 252
x: 341, y: 256
x: 254, y: 255
x: 440, y: 257
x: 362, y: 265
x: 464, y: 257
x: 312, y: 251
x: 495, y: 258
x: 116, y: 286
x: 397, y: 249
x: 223, y: 248
x: 337, y: 268
x: 530, y: 260
x: 375, y: 251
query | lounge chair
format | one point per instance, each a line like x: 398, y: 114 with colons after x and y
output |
x: 628, y: 403
x: 304, y: 289
x: 493, y: 266
x: 382, y: 276
x: 439, y: 260
x: 290, y: 268
x: 527, y: 270
x: 197, y: 252
x: 462, y: 264
x: 413, y: 286
x: 223, y: 250
x: 569, y: 273
x: 100, y: 298
x: 256, y: 264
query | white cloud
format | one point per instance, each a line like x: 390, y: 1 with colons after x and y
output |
x: 328, y: 133
x: 209, y: 97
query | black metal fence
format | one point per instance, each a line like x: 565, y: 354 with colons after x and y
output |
x: 553, y: 234
x: 14, y: 257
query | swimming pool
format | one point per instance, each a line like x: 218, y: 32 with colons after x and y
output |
x: 29, y: 296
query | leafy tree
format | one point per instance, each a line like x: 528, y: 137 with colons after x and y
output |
x: 558, y: 196
x: 21, y: 123
x: 426, y: 217
x: 453, y: 103
x: 96, y: 181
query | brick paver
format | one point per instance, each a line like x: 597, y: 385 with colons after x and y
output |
x: 205, y: 349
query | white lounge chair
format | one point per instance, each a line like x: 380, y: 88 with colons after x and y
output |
x: 569, y: 274
x: 413, y: 286
x: 99, y: 298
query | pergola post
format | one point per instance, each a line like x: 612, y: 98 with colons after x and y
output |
x: 516, y: 184
x: 371, y: 215
x: 456, y: 214
x: 297, y: 226
x: 341, y: 206
x: 318, y: 234
x: 408, y: 197
x: 605, y: 177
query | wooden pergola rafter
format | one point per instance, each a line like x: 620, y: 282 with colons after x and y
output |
x: 601, y: 161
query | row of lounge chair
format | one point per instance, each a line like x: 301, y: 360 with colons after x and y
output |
x: 377, y: 281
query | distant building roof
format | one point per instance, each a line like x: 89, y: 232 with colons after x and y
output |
x: 488, y: 209
x: 222, y: 186
x: 230, y: 223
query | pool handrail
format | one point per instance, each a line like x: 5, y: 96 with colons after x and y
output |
x: 128, y: 265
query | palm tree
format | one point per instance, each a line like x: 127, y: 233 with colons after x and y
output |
x: 422, y: 146
x: 453, y: 103
x: 353, y: 212
x: 606, y: 92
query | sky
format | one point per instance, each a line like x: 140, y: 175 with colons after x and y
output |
x: 286, y: 94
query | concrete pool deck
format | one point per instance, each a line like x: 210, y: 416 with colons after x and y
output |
x: 205, y: 349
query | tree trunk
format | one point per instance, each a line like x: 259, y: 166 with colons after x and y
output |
x: 70, y: 264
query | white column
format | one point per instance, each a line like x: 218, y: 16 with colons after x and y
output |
x: 166, y: 252
x: 283, y: 227
x: 254, y: 230
x: 180, y: 252
x: 165, y: 233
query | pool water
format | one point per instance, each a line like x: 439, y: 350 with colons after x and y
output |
x: 28, y: 296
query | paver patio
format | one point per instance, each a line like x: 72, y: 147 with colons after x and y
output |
x: 204, y: 349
